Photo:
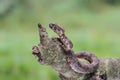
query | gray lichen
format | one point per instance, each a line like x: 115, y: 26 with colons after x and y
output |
x: 50, y: 52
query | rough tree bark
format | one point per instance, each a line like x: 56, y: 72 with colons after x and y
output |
x: 51, y: 52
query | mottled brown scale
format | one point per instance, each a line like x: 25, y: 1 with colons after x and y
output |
x: 58, y: 53
x: 67, y: 43
x: 72, y: 57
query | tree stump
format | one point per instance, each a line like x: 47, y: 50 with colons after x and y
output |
x: 57, y: 52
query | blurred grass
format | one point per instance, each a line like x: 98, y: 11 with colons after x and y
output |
x: 95, y: 29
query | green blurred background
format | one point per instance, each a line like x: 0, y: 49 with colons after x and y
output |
x: 92, y: 25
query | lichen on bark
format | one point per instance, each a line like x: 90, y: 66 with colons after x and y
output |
x: 50, y: 51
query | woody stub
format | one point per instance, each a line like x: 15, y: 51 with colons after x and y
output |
x: 58, y: 53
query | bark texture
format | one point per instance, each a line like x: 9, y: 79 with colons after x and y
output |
x: 50, y: 52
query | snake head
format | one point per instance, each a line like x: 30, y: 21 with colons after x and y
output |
x: 60, y: 31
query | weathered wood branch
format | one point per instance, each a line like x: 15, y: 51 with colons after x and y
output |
x: 51, y: 52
